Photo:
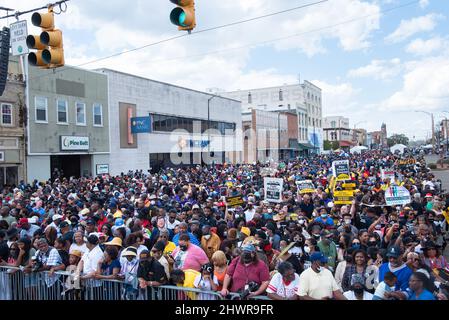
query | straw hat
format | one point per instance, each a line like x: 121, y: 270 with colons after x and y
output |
x: 114, y: 242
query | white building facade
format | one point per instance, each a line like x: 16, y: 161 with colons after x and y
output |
x: 179, y: 123
x: 303, y: 99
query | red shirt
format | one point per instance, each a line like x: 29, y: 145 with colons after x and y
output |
x: 101, y: 223
x: 241, y: 274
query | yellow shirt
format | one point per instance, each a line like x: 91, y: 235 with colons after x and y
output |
x: 169, y: 248
x: 189, y: 280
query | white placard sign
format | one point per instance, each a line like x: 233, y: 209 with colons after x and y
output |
x: 396, y: 196
x: 387, y: 173
x: 102, y: 169
x: 273, y: 189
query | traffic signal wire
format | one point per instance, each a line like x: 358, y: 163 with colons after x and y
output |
x: 58, y: 3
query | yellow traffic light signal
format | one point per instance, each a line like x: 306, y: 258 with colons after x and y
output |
x: 49, y: 45
x: 183, y: 16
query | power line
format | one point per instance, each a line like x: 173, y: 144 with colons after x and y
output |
x: 285, y: 37
x: 193, y: 33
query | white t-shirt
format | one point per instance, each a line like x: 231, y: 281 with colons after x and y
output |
x: 91, y: 259
x: 278, y: 286
x: 204, y: 285
x: 351, y: 296
x: 249, y: 214
x: 317, y: 285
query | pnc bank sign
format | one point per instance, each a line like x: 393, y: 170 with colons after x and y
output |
x: 70, y: 143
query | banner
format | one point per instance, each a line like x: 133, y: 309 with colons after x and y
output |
x: 340, y: 170
x: 265, y: 172
x: 235, y: 201
x: 141, y: 125
x: 305, y: 186
x: 343, y: 197
x: 387, y: 174
x: 273, y: 189
x: 349, y: 186
x: 396, y: 195
x: 404, y: 162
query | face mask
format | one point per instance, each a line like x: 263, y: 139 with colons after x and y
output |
x: 183, y: 247
x: 316, y: 236
x: 225, y: 233
x: 372, y: 244
x: 298, y: 243
x: 270, y: 210
x: 207, y: 236
x: 356, y: 245
x: 247, y: 257
x: 358, y: 290
x: 320, y: 269
x: 348, y: 221
x: 324, y: 215
x: 302, y: 221
x: 306, y: 249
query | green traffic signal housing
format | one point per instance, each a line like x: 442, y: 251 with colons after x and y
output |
x: 183, y: 16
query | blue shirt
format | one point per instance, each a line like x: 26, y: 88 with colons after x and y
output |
x: 402, y: 273
x: 328, y: 222
x: 193, y: 239
x: 425, y: 295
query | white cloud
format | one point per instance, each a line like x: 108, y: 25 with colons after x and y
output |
x: 378, y: 69
x: 337, y: 99
x: 408, y: 28
x: 422, y: 47
x: 423, y: 3
x: 425, y: 86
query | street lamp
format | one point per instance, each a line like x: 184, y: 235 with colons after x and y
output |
x: 208, y: 122
x: 433, y: 129
x: 447, y: 132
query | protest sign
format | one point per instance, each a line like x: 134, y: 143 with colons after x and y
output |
x: 387, y: 174
x: 235, y: 201
x: 396, y: 195
x: 340, y: 170
x: 343, y: 197
x: 305, y: 186
x: 273, y: 189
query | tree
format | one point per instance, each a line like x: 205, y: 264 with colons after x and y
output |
x: 398, y: 139
x: 330, y: 145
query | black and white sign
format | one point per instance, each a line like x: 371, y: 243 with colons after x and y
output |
x: 102, y: 169
x: 70, y: 143
x: 305, y: 186
x: 19, y: 35
x: 340, y: 170
x: 273, y: 189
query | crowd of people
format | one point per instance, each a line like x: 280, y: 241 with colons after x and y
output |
x: 176, y: 227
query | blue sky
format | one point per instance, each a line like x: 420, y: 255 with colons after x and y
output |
x: 379, y: 68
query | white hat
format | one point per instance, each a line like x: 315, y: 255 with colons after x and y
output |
x: 56, y: 217
x: 195, y: 206
x: 95, y: 189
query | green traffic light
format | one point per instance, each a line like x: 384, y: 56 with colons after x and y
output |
x: 178, y: 17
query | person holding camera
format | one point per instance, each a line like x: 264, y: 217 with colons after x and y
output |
x: 245, y: 270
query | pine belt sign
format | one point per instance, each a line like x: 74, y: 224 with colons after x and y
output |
x: 396, y: 195
x: 340, y: 170
x: 305, y: 186
x: 71, y: 143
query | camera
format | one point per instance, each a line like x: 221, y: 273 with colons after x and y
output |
x: 36, y: 265
x: 252, y: 286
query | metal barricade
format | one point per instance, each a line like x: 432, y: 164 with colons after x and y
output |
x: 17, y: 285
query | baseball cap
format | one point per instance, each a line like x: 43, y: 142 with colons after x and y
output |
x: 249, y: 248
x: 245, y: 231
x: 318, y: 256
x: 56, y: 217
x: 195, y: 206
x: 119, y: 222
x: 63, y: 224
x: 22, y: 221
x: 394, y: 252
x: 90, y: 221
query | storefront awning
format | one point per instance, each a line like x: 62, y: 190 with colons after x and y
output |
x: 306, y: 146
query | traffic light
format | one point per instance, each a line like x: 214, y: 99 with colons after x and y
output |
x: 4, y: 57
x: 183, y: 16
x: 49, y: 46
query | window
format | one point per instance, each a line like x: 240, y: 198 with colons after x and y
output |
x: 98, y: 114
x: 80, y: 113
x: 6, y: 114
x: 250, y: 99
x: 61, y: 109
x: 281, y: 96
x: 41, y: 109
x: 333, y: 124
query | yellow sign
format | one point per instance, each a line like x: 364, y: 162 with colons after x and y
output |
x: 349, y: 186
x: 235, y: 201
x: 343, y: 177
x: 343, y: 197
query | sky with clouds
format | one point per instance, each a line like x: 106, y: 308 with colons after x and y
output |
x: 376, y: 60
